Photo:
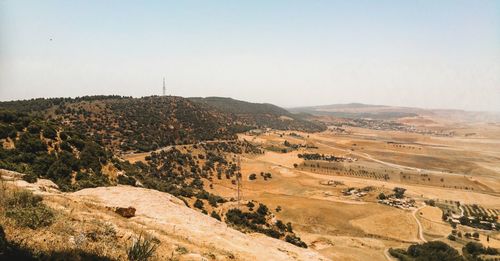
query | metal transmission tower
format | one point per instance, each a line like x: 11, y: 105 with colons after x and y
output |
x: 238, y: 181
x: 164, y: 87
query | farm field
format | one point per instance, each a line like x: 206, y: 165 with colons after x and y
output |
x: 310, y: 192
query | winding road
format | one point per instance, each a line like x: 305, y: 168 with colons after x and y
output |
x: 420, y: 234
x: 420, y: 228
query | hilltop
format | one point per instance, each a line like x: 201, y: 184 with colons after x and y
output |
x: 82, y: 143
x: 149, y: 123
x: 260, y: 115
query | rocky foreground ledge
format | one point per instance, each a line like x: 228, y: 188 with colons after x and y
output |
x: 183, y: 233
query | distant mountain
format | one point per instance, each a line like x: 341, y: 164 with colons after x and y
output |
x: 259, y: 115
x: 359, y: 110
x: 383, y: 112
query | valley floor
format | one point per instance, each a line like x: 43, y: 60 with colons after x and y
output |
x: 359, y: 228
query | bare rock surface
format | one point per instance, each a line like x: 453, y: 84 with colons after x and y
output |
x: 166, y: 214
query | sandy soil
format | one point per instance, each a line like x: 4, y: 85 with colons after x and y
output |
x: 434, y: 227
x: 334, y: 225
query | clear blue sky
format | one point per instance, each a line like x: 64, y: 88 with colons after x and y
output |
x: 432, y: 54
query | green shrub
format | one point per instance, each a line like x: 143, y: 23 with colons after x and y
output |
x: 126, y: 180
x: 49, y: 132
x: 142, y: 249
x: 7, y: 131
x: 30, y: 178
x: 28, y: 210
x: 198, y: 204
x: 215, y: 215
x: 434, y: 250
x: 292, y: 239
x: 399, y: 192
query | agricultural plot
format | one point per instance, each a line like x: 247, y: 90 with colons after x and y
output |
x: 477, y: 211
x: 336, y: 168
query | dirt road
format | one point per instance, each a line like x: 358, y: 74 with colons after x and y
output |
x: 420, y: 228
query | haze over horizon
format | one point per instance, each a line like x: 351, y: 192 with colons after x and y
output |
x: 426, y: 54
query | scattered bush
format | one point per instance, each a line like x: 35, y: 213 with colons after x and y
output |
x: 30, y: 177
x: 262, y: 210
x: 430, y: 202
x: 295, y: 240
x: 126, y: 180
x: 382, y: 196
x: 473, y: 250
x: 399, y: 192
x: 27, y: 210
x: 198, y: 204
x: 142, y: 249
x: 434, y: 250
x: 215, y: 215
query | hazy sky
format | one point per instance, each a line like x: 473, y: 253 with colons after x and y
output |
x: 433, y: 54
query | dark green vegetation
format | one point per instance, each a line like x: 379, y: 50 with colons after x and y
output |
x: 142, y: 249
x: 26, y: 209
x: 183, y: 172
x: 260, y: 115
x: 77, y: 142
x: 317, y: 156
x: 124, y: 123
x: 430, y: 251
x: 148, y: 123
x: 22, y: 209
x: 45, y: 148
x: 474, y: 216
x: 474, y: 250
x: 478, y: 217
x: 260, y: 221
x: 13, y: 251
x: 439, y: 251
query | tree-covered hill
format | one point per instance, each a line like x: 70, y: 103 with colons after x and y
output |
x: 260, y: 115
x: 149, y: 123
x: 78, y: 143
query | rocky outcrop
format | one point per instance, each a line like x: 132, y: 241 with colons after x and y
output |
x: 125, y: 212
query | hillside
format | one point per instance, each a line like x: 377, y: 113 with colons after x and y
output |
x: 124, y: 123
x: 260, y: 115
x: 79, y: 144
x: 86, y: 221
x: 149, y: 123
